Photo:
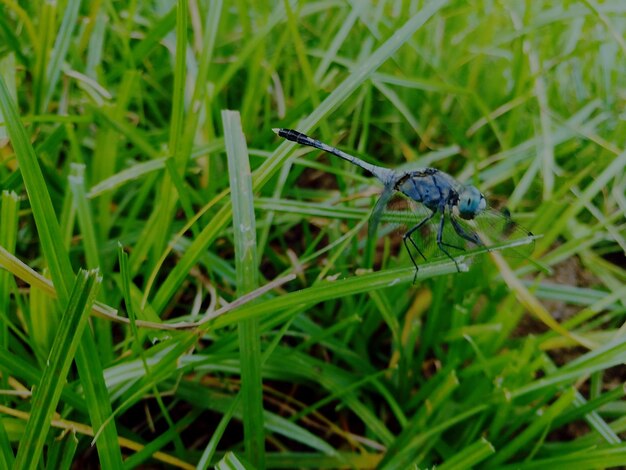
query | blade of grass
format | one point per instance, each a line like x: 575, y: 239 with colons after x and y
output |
x: 7, y: 72
x: 85, y: 218
x: 9, y: 206
x: 61, y: 46
x: 164, y: 209
x: 67, y: 452
x: 303, y: 61
x: 603, y: 357
x: 7, y: 459
x: 335, y: 289
x: 140, y: 169
x: 546, y: 141
x: 244, y: 226
x: 211, y: 447
x: 179, y: 185
x: 431, y: 431
x: 337, y: 41
x: 232, y: 461
x: 470, y: 456
x: 211, y: 27
x: 95, y: 34
x: 107, y: 151
x: 10, y: 37
x: 46, y: 395
x: 44, y: 43
x: 154, y: 36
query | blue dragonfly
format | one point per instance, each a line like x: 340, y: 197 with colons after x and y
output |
x: 465, y: 222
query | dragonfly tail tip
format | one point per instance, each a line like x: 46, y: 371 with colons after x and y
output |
x: 276, y: 130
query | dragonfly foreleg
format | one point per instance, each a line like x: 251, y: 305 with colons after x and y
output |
x: 441, y: 244
x: 469, y: 236
x: 407, y: 236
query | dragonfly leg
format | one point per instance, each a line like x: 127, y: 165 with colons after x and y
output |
x: 469, y: 236
x: 373, y: 223
x: 407, y: 236
x: 441, y: 244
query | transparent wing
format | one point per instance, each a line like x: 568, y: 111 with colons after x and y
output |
x: 490, y: 230
x: 497, y: 230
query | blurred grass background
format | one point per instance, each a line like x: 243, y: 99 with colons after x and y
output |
x: 117, y: 153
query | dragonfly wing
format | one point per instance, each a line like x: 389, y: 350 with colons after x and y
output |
x: 490, y: 230
x: 497, y: 230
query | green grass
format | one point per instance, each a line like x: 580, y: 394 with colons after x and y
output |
x: 237, y: 324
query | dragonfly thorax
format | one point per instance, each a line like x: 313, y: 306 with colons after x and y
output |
x: 433, y: 188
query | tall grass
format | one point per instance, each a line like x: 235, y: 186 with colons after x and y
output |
x: 236, y: 323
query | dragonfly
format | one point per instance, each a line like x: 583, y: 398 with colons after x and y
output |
x: 465, y: 222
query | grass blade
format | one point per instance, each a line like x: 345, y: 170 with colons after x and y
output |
x: 469, y: 457
x: 244, y: 226
x: 9, y: 205
x: 47, y: 394
x: 61, y: 46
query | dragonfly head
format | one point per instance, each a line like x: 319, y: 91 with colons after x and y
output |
x: 471, y: 202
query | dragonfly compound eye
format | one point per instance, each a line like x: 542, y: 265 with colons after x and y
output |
x: 471, y: 202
